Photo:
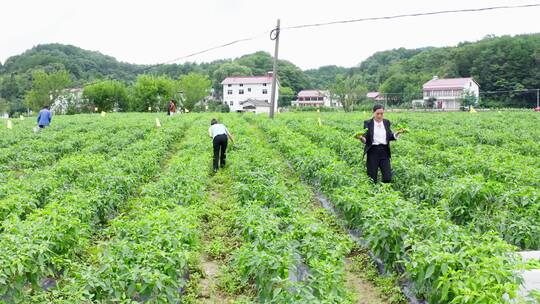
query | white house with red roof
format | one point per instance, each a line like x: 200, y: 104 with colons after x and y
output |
x: 315, y: 98
x: 375, y: 96
x: 449, y: 93
x: 249, y: 93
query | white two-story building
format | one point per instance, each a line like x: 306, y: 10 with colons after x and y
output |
x: 315, y: 98
x: 249, y: 93
x: 450, y: 93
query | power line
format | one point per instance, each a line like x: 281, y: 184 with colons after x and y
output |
x: 468, y: 10
x: 508, y: 91
x: 149, y: 67
x: 215, y: 48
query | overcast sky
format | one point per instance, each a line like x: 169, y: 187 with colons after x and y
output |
x: 160, y: 30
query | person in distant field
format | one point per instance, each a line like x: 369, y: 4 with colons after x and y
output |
x: 44, y: 117
x: 220, y: 135
x: 377, y: 144
x: 172, y: 108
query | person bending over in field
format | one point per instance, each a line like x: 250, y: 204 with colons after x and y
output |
x: 377, y: 144
x: 44, y: 117
x: 220, y: 135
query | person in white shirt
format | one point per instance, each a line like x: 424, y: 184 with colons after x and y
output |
x: 220, y: 135
x: 377, y: 145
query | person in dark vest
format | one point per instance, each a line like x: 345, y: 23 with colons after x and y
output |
x: 220, y: 135
x: 377, y: 144
x: 44, y: 117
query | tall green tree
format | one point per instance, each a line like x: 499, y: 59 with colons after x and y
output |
x: 349, y: 91
x: 46, y: 87
x: 13, y: 88
x: 107, y: 95
x: 4, y: 105
x: 286, y: 95
x: 153, y: 91
x: 195, y: 88
x: 402, y: 87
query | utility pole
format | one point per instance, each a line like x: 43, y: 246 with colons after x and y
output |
x: 274, y: 35
x: 537, y: 98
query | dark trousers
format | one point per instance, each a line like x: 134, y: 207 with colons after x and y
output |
x: 220, y: 148
x: 379, y: 157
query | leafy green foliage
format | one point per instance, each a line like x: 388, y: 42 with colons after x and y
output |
x: 195, y: 88
x: 496, y: 63
x: 348, y: 91
x: 153, y: 92
x: 46, y: 87
x: 448, y: 263
x: 107, y: 95
x: 286, y: 95
x: 280, y: 238
x: 111, y: 209
x: 41, y: 245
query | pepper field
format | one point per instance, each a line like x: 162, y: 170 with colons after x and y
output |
x: 112, y: 209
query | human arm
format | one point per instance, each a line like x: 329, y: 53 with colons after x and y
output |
x: 230, y: 136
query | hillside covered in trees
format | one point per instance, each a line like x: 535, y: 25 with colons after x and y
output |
x: 496, y: 63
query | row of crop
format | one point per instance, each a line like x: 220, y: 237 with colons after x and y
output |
x: 286, y: 253
x: 22, y: 131
x: 441, y: 145
x: 447, y: 263
x: 510, y: 131
x: 22, y: 194
x: 22, y: 148
x: 41, y: 245
x: 464, y: 188
x: 486, y: 205
x: 473, y: 197
x: 147, y: 252
x: 39, y: 151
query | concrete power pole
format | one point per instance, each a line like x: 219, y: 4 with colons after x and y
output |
x: 274, y: 36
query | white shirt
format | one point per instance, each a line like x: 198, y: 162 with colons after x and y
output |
x: 217, y: 129
x: 379, y: 133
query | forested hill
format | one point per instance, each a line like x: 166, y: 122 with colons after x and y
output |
x: 81, y: 64
x: 497, y: 63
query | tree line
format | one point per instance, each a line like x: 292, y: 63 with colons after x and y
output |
x: 497, y: 63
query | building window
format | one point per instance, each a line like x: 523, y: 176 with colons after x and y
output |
x: 240, y: 92
x: 229, y: 92
x: 264, y: 84
x: 241, y: 84
x: 249, y: 89
x: 231, y: 103
x: 229, y: 85
x: 265, y: 91
x: 319, y: 98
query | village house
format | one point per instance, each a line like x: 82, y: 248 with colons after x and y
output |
x: 315, y: 98
x: 375, y: 96
x: 450, y: 93
x: 249, y: 93
x: 69, y: 97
